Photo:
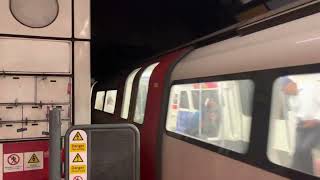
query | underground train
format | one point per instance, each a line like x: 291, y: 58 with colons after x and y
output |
x: 240, y: 103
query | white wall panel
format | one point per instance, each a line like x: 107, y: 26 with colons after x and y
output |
x: 53, y: 89
x: 82, y: 22
x: 82, y: 83
x: 34, y: 112
x: 35, y: 129
x: 17, y: 88
x: 40, y: 113
x: 10, y: 113
x: 35, y: 56
x: 9, y: 131
x: 61, y: 27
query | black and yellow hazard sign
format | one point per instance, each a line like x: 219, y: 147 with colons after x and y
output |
x: 34, y: 159
x: 78, y: 169
x: 77, y: 137
x: 77, y: 159
x: 78, y: 153
x: 78, y: 147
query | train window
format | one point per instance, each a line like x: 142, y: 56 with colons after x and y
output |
x: 294, y: 133
x: 99, y: 100
x: 143, y: 93
x: 127, y: 94
x: 216, y: 114
x: 110, y: 101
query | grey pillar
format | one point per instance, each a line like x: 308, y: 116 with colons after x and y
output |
x: 54, y: 144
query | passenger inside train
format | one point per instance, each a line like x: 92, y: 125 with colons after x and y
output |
x: 208, y: 111
x: 296, y: 113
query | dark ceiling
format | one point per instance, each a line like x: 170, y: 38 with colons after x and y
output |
x: 126, y: 32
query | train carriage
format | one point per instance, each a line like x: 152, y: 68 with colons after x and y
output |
x: 213, y: 111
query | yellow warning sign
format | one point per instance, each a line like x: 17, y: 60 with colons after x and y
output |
x: 77, y: 159
x: 78, y: 147
x: 78, y: 169
x: 77, y: 137
x: 34, y: 159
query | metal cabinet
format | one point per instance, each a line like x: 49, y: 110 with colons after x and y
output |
x: 11, y: 22
x: 53, y: 90
x: 37, y: 117
x: 10, y: 113
x: 35, y: 130
x: 26, y: 102
x: 10, y: 131
x: 22, y: 56
x: 17, y: 89
x: 35, y: 112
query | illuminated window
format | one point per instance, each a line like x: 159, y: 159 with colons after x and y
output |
x: 110, y: 101
x: 127, y: 94
x: 143, y: 93
x: 294, y: 133
x: 99, y: 100
x: 217, y: 113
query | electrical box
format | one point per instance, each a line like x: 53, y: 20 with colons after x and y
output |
x: 26, y: 100
x: 17, y: 89
x: 53, y: 90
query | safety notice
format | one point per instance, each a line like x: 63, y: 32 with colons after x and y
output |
x: 33, y: 160
x: 77, y: 137
x: 27, y: 161
x: 77, y: 178
x: 78, y: 147
x: 13, y: 162
x: 78, y: 155
x: 77, y: 159
x: 78, y: 169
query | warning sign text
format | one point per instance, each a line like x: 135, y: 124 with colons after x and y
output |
x: 78, y: 169
x: 78, y: 147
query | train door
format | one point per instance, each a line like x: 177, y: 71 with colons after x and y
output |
x: 45, y: 64
x: 147, y: 110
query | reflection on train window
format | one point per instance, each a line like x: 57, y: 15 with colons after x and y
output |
x: 127, y: 94
x: 215, y: 114
x: 143, y: 93
x: 184, y: 102
x: 99, y: 100
x: 110, y: 101
x: 294, y: 136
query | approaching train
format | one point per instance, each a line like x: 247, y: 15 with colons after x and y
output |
x: 241, y: 103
